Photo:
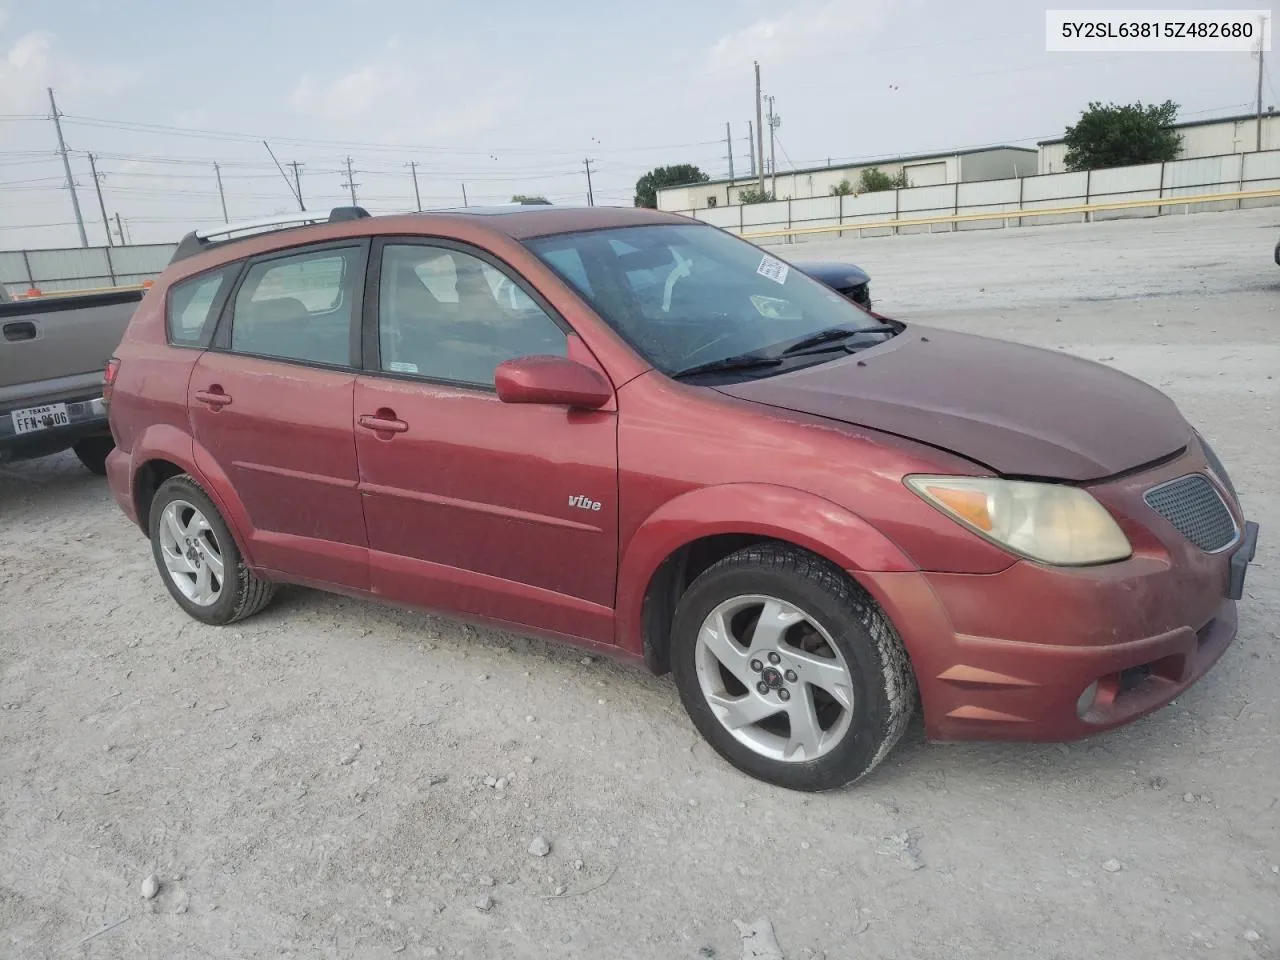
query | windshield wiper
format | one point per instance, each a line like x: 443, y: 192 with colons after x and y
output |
x: 746, y: 361
x: 833, y: 335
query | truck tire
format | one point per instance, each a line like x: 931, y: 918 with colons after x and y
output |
x: 789, y: 670
x: 93, y: 451
x: 198, y: 558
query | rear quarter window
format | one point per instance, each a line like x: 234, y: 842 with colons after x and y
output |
x: 190, y: 315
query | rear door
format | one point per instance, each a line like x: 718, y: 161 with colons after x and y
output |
x: 505, y: 511
x: 271, y: 410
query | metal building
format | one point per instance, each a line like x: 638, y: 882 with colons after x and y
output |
x: 1200, y: 138
x: 922, y: 170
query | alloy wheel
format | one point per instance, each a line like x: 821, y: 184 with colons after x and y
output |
x: 774, y: 678
x: 192, y: 555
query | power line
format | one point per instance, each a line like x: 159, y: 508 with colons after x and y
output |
x: 141, y: 127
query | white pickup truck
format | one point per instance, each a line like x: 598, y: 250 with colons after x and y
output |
x: 53, y: 351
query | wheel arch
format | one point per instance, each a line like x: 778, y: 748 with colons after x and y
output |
x: 688, y: 534
x: 164, y: 451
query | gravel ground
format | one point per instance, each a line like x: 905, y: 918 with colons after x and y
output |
x: 312, y: 782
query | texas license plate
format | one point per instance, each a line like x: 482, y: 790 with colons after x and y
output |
x: 33, y: 419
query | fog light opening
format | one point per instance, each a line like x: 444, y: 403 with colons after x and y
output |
x: 1084, y: 703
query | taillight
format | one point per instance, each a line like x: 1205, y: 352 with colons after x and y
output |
x: 109, y: 378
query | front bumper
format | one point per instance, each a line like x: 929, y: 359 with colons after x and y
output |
x: 1051, y: 654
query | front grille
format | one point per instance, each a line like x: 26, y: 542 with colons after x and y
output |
x: 1196, y: 510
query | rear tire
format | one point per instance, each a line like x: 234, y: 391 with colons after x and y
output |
x: 93, y: 451
x: 198, y: 559
x: 789, y: 670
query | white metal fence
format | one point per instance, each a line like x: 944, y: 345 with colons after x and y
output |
x: 1020, y: 198
x: 75, y: 268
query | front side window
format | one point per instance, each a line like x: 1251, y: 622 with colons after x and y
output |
x: 298, y: 308
x: 190, y: 303
x: 685, y: 296
x: 447, y: 315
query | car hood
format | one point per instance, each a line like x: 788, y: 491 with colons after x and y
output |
x: 1019, y: 410
x: 832, y: 272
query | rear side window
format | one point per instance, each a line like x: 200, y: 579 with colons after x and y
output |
x: 191, y: 307
x: 298, y: 308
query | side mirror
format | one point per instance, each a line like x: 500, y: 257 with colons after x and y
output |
x: 553, y: 380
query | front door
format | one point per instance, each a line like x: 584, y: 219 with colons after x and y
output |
x: 502, y: 511
x: 272, y: 410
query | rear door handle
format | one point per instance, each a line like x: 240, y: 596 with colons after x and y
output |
x: 20, y: 330
x: 380, y: 423
x: 214, y: 397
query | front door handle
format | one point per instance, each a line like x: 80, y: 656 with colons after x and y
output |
x: 19, y: 330
x: 214, y: 397
x: 384, y: 421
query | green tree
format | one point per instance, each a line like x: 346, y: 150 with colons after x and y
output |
x: 754, y: 195
x: 842, y: 189
x: 673, y: 176
x: 526, y: 198
x: 1117, y: 136
x: 873, y: 179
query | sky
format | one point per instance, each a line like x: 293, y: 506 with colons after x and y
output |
x: 512, y: 97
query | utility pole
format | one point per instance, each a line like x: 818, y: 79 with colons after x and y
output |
x: 351, y: 183
x: 774, y: 123
x: 591, y: 200
x: 728, y: 142
x: 751, y: 148
x: 120, y: 228
x: 297, y: 181
x: 66, y: 165
x: 413, y: 168
x: 464, y: 194
x: 97, y: 185
x: 221, y: 196
x: 1262, y: 30
x: 293, y: 192
x: 760, y: 129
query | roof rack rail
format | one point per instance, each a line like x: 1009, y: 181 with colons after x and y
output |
x: 198, y: 241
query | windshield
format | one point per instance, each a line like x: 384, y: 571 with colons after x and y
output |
x: 684, y: 296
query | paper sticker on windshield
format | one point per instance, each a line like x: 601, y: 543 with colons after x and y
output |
x: 775, y: 270
x: 399, y: 366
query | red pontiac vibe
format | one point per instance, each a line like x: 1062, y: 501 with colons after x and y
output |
x: 642, y: 434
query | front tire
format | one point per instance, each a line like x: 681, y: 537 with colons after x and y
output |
x: 197, y: 557
x: 789, y: 670
x: 92, y: 452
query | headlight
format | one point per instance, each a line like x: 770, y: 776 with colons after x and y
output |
x: 1049, y: 522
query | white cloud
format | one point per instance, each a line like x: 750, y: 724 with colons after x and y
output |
x: 350, y: 95
x: 33, y: 62
x: 24, y: 69
x: 805, y: 30
x: 392, y: 97
x: 473, y: 117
